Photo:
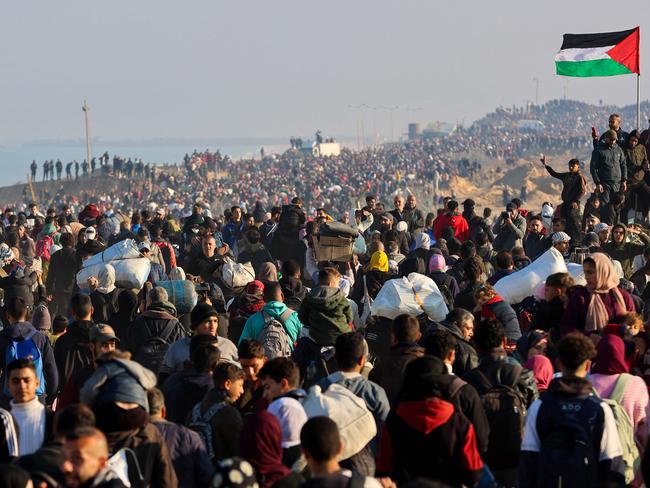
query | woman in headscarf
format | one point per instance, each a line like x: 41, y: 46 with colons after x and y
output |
x: 532, y: 343
x: 374, y: 275
x: 542, y: 370
x: 590, y: 308
x: 611, y: 379
x: 103, y: 294
x: 127, y: 311
x: 262, y: 447
x: 422, y: 248
x: 447, y: 284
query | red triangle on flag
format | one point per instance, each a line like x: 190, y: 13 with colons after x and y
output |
x: 626, y: 52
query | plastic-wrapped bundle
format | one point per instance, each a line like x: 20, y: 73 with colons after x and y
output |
x: 521, y: 284
x: 578, y: 273
x: 129, y: 273
x: 182, y: 293
x: 126, y: 249
x: 412, y: 295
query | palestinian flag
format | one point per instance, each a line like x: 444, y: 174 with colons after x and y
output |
x: 605, y: 54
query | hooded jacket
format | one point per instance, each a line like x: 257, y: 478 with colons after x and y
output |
x: 327, y: 314
x: 388, y: 370
x: 255, y: 322
x: 183, y: 390
x: 294, y: 291
x: 456, y: 221
x: 19, y: 287
x: 118, y: 380
x: 625, y: 251
x: 62, y: 271
x: 18, y: 332
x: 429, y: 439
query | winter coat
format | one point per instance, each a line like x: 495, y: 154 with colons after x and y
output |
x: 457, y: 222
x: 536, y: 244
x: 76, y: 338
x: 18, y: 332
x: 255, y: 322
x: 183, y: 390
x: 429, y: 439
x: 625, y: 252
x: 500, y: 310
x: 226, y: 425
x: 508, y: 235
x: 151, y: 452
x: 388, y: 370
x: 327, y: 314
x: 467, y: 400
x: 608, y: 165
x: 151, y: 323
x: 61, y: 275
x: 188, y: 454
x: 466, y: 357
x: 573, y: 185
x: 19, y: 287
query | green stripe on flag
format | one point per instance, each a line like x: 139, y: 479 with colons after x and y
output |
x: 596, y: 67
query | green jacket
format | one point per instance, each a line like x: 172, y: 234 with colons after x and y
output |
x: 326, y: 312
x: 255, y: 322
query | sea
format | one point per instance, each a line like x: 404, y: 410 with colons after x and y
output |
x: 15, y: 160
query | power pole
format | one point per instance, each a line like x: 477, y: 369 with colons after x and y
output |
x: 536, y: 80
x: 89, y: 149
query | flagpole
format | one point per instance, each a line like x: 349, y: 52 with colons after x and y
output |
x: 638, y: 102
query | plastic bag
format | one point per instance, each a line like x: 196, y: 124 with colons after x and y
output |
x: 129, y: 273
x: 411, y: 295
x: 126, y: 249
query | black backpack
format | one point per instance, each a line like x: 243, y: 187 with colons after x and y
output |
x: 570, y: 436
x: 77, y: 356
x: 505, y: 410
x: 152, y: 352
x: 446, y: 292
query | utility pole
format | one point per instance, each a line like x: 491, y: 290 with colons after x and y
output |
x: 89, y: 149
x: 536, y: 80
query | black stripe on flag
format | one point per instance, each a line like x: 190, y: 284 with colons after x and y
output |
x: 572, y: 41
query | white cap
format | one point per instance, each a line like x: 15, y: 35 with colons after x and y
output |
x: 561, y: 237
x: 90, y: 233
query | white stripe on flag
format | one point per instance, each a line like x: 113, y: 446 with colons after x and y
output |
x: 583, y: 54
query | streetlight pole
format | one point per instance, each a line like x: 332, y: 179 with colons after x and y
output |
x: 536, y: 81
x: 89, y: 150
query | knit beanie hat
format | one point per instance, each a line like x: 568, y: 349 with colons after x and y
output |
x: 41, y: 318
x: 201, y: 312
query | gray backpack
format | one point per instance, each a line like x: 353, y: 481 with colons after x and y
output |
x: 200, y: 422
x: 274, y: 336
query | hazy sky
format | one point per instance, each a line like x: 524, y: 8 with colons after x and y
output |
x: 170, y: 68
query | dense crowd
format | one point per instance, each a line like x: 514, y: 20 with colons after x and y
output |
x: 288, y: 348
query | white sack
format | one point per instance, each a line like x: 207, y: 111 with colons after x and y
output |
x: 521, y: 284
x: 129, y: 273
x: 126, y: 249
x: 578, y: 273
x: 396, y: 297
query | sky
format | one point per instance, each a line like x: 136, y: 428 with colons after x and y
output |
x: 260, y: 68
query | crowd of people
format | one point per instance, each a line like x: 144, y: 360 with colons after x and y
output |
x: 253, y: 354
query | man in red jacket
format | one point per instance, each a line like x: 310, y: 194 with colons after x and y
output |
x: 452, y: 218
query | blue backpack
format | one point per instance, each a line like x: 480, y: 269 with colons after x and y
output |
x: 26, y: 349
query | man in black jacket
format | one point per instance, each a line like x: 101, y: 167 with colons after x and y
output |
x: 73, y: 351
x: 442, y: 345
x: 536, y: 243
x: 460, y: 323
x: 60, y: 280
x: 574, y: 187
x: 504, y: 380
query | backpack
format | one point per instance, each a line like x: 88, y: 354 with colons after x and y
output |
x: 568, y: 455
x: 505, y: 411
x: 356, y: 423
x: 26, y: 349
x: 237, y: 275
x: 274, y: 336
x: 624, y: 427
x: 446, y: 292
x: 78, y: 355
x: 200, y: 422
x: 315, y: 362
x: 43, y: 247
x: 152, y: 352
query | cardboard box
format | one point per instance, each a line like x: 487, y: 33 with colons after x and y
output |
x: 338, y: 249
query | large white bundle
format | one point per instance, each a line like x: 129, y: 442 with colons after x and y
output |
x: 578, y: 273
x: 129, y: 273
x: 396, y: 297
x: 126, y: 249
x: 521, y: 284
